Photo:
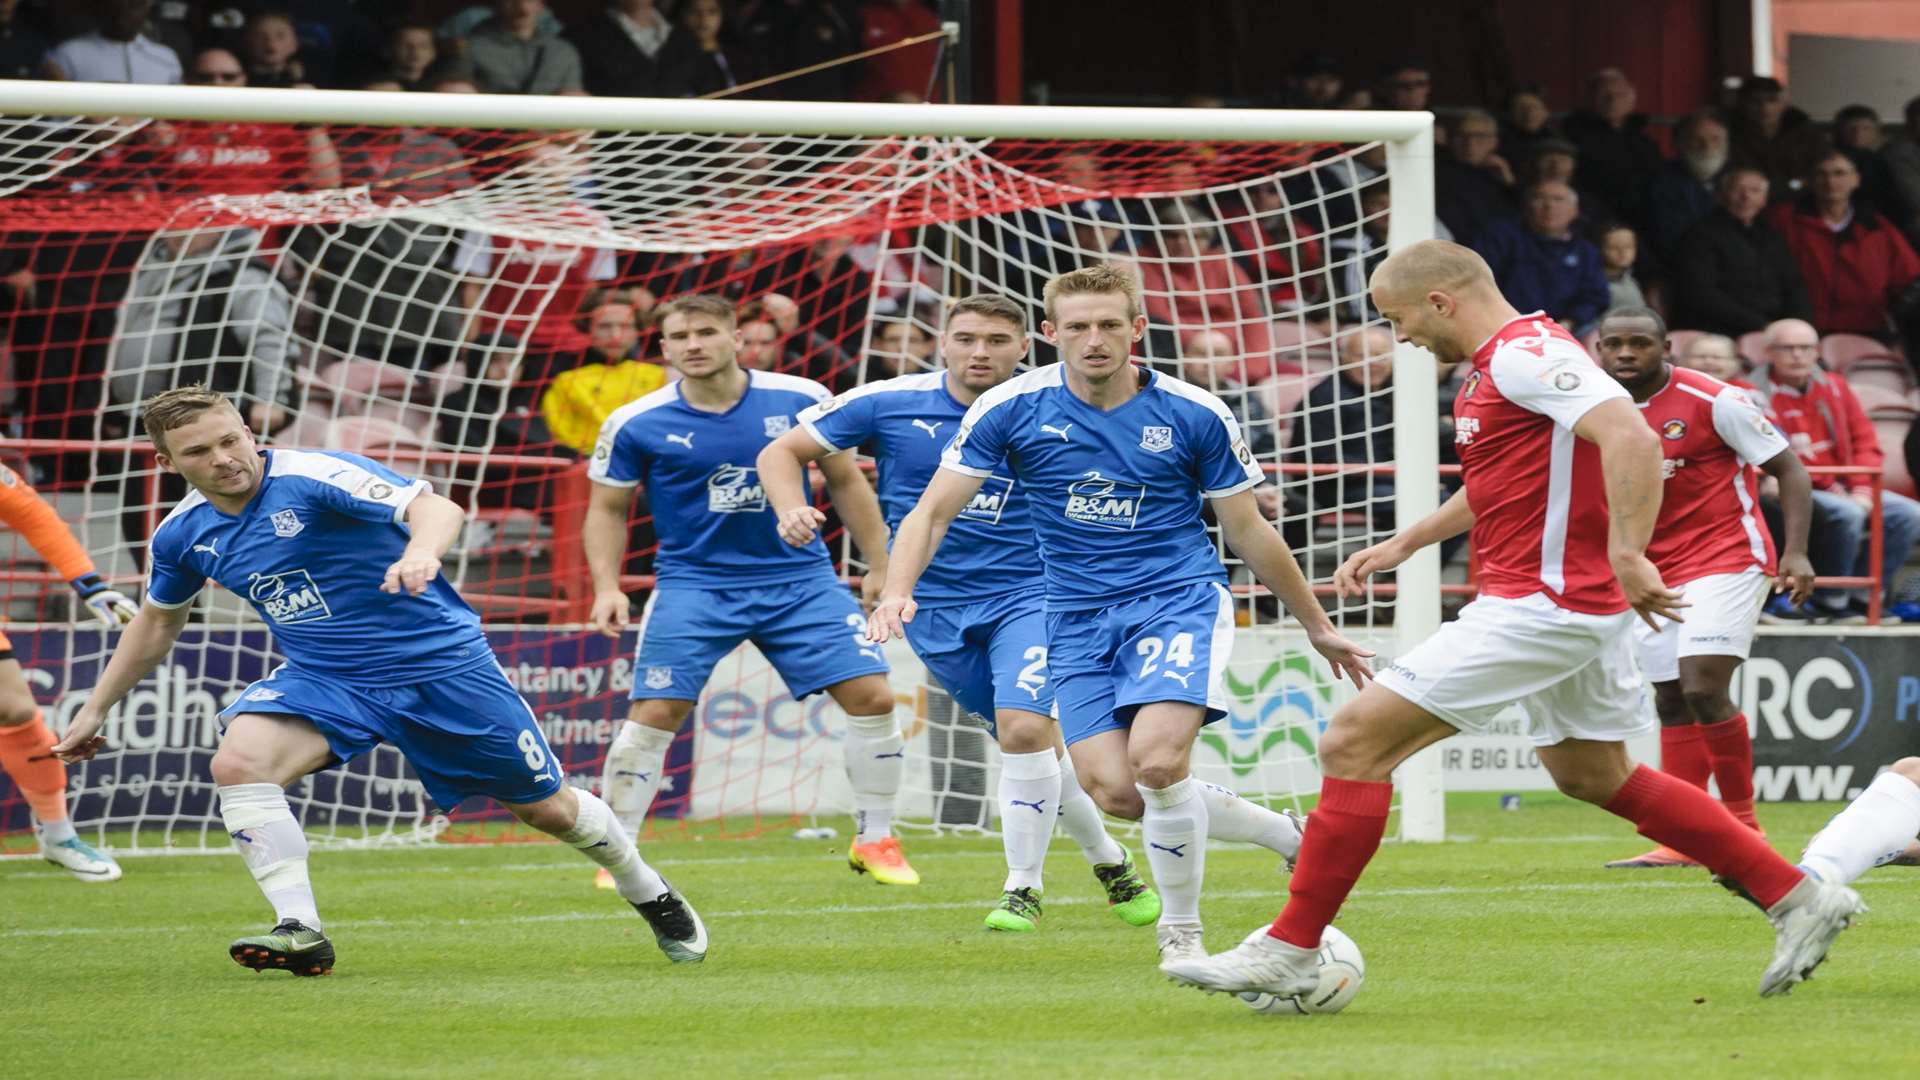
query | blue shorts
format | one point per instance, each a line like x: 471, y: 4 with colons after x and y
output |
x: 469, y: 733
x: 1164, y: 646
x: 812, y: 632
x: 989, y: 655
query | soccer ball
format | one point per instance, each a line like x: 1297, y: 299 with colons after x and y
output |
x: 1342, y: 969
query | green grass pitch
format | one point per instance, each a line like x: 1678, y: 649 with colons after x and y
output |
x: 1507, y: 953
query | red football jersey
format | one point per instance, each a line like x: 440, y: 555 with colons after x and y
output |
x: 1712, y: 435
x: 1539, y: 499
x: 535, y: 286
x: 233, y: 158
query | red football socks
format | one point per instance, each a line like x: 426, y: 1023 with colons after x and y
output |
x: 1342, y: 835
x: 1683, y: 754
x: 1730, y: 750
x: 1668, y: 811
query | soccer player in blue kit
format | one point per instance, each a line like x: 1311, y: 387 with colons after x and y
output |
x: 1116, y: 461
x: 723, y: 576
x: 372, y: 656
x: 981, y: 630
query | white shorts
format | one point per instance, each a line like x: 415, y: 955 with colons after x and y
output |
x: 1571, y: 673
x: 1723, y: 610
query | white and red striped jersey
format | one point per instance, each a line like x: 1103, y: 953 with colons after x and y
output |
x: 1538, y: 497
x: 1712, y: 436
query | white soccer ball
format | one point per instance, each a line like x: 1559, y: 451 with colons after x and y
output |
x: 1342, y: 970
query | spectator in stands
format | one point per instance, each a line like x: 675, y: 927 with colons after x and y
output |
x: 23, y: 48
x: 712, y: 66
x: 1272, y: 243
x: 1353, y: 254
x: 1619, y: 249
x: 206, y: 307
x: 402, y: 162
x: 1190, y: 284
x: 510, y: 54
x: 234, y: 157
x: 1314, y: 83
x: 412, y: 51
x: 1557, y: 159
x: 119, y: 51
x: 1525, y: 121
x: 1406, y: 84
x: 1854, y: 262
x: 1857, y: 133
x: 1902, y: 155
x: 901, y: 71
x: 900, y: 347
x: 1617, y: 159
x: 1735, y: 274
x: 789, y: 35
x: 273, y: 51
x: 1542, y: 264
x: 760, y: 346
x: 1772, y: 136
x: 1681, y: 192
x: 1715, y: 355
x: 1825, y: 425
x: 1210, y: 360
x: 631, y: 49
x: 1472, y: 184
x: 605, y: 376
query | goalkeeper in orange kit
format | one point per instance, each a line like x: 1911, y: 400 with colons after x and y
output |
x: 26, y: 745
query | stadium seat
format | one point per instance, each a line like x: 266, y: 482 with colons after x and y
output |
x: 1874, y: 397
x: 1840, y: 352
x: 1753, y: 346
x: 1881, y: 371
x: 1891, y: 423
x: 1678, y: 340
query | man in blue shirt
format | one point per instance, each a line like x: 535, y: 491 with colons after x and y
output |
x: 1542, y: 263
x: 981, y: 629
x: 723, y: 575
x: 395, y: 657
x: 1116, y: 461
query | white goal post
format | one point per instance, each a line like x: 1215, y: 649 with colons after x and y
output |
x: 1407, y: 139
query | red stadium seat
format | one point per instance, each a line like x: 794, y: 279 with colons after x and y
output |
x: 1874, y: 397
x: 1753, y: 346
x: 1678, y: 340
x: 1839, y: 352
x: 1891, y: 424
x: 1881, y: 371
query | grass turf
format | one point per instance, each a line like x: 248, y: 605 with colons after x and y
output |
x: 1506, y: 953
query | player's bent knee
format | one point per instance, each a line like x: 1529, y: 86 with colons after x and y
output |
x: 553, y: 815
x: 234, y: 765
x: 664, y: 714
x: 869, y: 695
x: 1709, y: 706
x: 1023, y: 732
x: 1126, y: 804
x: 1909, y: 768
x: 1596, y: 788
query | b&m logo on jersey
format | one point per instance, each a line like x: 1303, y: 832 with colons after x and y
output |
x: 735, y: 489
x: 289, y: 598
x: 1104, y: 503
x: 990, y: 501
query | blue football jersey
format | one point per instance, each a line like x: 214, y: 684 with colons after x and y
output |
x: 1115, y: 496
x: 710, y: 511
x: 309, y: 552
x: 989, y: 550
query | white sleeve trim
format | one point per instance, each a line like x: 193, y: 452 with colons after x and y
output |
x: 967, y: 470
x: 159, y: 603
x: 407, y: 495
x: 1742, y: 426
x: 1244, y: 485
x: 825, y: 444
x: 608, y: 481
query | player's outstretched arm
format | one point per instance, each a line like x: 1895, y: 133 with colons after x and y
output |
x: 145, y: 642
x: 605, y: 537
x: 853, y: 496
x: 435, y: 520
x: 1796, y: 512
x: 1251, y: 536
x: 1452, y: 518
x: 920, y: 534
x: 782, y: 466
x: 1630, y: 462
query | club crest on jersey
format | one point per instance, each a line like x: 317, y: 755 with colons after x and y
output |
x: 1765, y: 427
x: 778, y: 425
x: 1675, y: 429
x: 734, y: 489
x: 990, y: 501
x: 286, y: 523
x: 659, y: 678
x: 1473, y: 383
x: 1566, y: 380
x: 291, y: 597
x: 1104, y: 503
x: 264, y: 693
x: 1156, y: 440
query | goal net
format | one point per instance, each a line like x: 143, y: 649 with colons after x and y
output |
x: 462, y: 288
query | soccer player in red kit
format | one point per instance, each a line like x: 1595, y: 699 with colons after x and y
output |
x: 1710, y: 541
x: 1561, y: 487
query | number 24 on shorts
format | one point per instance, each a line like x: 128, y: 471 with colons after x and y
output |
x: 1178, y: 650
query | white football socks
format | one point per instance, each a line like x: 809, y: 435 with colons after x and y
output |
x: 1230, y: 817
x: 875, y: 757
x: 598, y: 835
x: 269, y: 839
x: 1080, y: 816
x: 1030, y: 786
x: 636, y: 763
x: 1872, y: 830
x: 1174, y: 828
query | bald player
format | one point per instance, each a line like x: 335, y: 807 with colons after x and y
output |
x: 1561, y: 486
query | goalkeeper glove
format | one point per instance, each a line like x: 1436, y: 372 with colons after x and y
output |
x: 108, y: 605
